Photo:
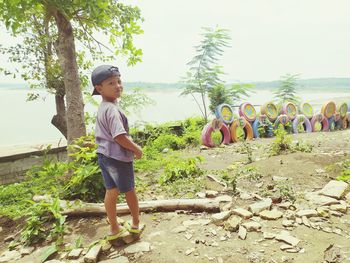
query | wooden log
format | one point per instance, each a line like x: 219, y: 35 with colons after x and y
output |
x: 74, y: 209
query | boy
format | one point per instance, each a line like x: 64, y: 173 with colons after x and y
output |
x: 115, y: 150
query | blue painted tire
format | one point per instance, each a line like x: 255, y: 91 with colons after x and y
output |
x: 227, y: 118
x: 256, y: 124
x: 331, y: 123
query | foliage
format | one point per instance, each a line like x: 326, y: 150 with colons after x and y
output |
x: 282, y: 142
x: 204, y: 73
x: 265, y: 129
x: 85, y: 182
x: 180, y: 170
x: 301, y: 146
x: 287, y: 89
x: 134, y: 100
x: 286, y: 191
x: 44, y: 219
x: 345, y: 173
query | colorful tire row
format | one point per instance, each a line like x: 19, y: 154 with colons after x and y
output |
x: 229, y: 132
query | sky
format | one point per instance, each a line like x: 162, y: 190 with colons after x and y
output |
x: 269, y: 38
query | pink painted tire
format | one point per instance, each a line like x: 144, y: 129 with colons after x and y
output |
x: 208, y: 130
x: 290, y: 110
x: 304, y: 120
x: 319, y: 118
x: 247, y: 111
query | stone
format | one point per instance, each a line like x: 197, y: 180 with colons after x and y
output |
x: 306, y: 222
x: 257, y: 207
x: 307, y: 213
x: 141, y: 246
x: 287, y: 223
x: 188, y: 236
x: 0, y: 229
x: 75, y: 253
x: 268, y: 235
x: 211, y: 193
x: 106, y: 247
x: 335, y: 213
x: 119, y: 259
x: 270, y: 214
x: 242, y: 232
x: 92, y: 254
x: 284, y: 247
x: 287, y: 238
x: 8, y: 256
x: 223, y: 198
x: 342, y: 207
x: 201, y: 222
x: 26, y: 250
x: 189, y: 251
x: 232, y: 223
x: 242, y: 213
x: 322, y: 211
x: 298, y: 221
x: 245, y: 196
x: 334, y: 189
x: 218, y: 218
x: 285, y: 205
x: 179, y: 229
x: 289, y: 215
x: 347, y: 198
x: 252, y: 226
x: 200, y: 194
x: 320, y: 200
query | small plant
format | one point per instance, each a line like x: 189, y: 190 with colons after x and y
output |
x: 249, y: 151
x: 345, y: 173
x: 282, y: 141
x: 230, y: 178
x: 44, y: 219
x: 301, y: 146
x: 181, y: 169
x: 286, y: 192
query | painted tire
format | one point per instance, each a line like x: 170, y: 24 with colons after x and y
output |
x: 328, y: 109
x: 332, y: 124
x: 347, y: 119
x: 290, y: 110
x: 304, y: 120
x: 342, y: 124
x: 281, y: 119
x: 306, y: 109
x: 270, y: 110
x: 225, y: 113
x: 319, y: 118
x: 342, y: 109
x: 209, y: 129
x: 248, y: 130
x: 257, y: 123
x: 247, y: 111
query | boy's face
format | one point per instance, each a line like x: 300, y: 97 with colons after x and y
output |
x: 111, y: 88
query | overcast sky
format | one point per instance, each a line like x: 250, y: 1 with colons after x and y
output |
x: 269, y: 38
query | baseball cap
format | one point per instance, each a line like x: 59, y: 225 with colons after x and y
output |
x: 102, y: 73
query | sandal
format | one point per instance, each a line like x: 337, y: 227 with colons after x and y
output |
x: 131, y: 229
x: 116, y: 236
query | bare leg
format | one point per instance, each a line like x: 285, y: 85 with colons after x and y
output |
x: 133, y: 203
x: 111, y: 209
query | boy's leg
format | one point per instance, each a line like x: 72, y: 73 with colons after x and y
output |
x: 111, y: 209
x: 133, y: 203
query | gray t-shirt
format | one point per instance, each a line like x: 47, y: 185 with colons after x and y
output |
x: 111, y: 122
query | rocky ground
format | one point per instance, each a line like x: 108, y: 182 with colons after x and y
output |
x: 256, y: 224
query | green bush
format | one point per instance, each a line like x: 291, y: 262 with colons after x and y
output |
x: 169, y: 141
x: 181, y: 169
x: 282, y: 142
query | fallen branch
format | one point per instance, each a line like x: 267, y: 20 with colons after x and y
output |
x: 74, y: 209
x: 216, y: 180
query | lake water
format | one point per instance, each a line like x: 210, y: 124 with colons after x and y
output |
x: 30, y: 122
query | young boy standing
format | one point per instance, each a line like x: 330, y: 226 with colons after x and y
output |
x: 116, y: 150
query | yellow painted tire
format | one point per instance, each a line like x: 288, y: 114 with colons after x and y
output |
x: 248, y: 130
x: 270, y: 110
x: 342, y: 109
x: 306, y: 109
x: 328, y: 109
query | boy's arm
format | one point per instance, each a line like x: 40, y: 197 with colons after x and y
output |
x: 127, y: 143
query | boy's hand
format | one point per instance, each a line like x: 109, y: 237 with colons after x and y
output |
x: 138, y: 153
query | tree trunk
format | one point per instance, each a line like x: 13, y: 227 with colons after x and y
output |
x: 73, y: 209
x: 66, y: 54
x: 60, y: 119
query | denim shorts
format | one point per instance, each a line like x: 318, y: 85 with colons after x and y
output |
x: 117, y: 174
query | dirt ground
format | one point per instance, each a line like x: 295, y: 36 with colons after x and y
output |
x: 202, y: 242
